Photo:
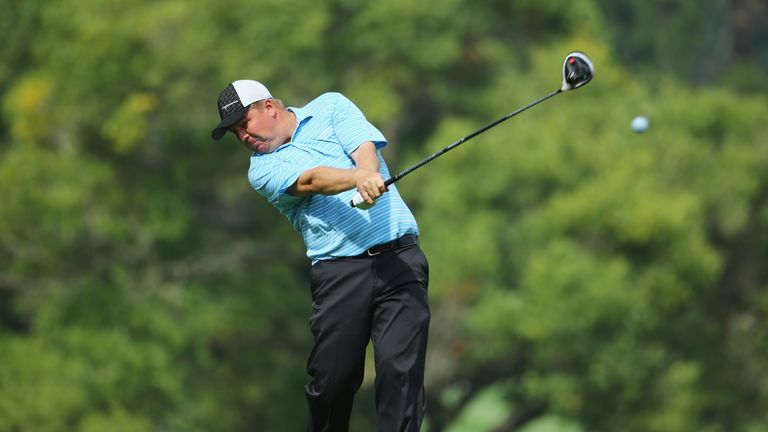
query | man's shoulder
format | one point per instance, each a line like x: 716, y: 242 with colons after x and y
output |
x: 325, y: 101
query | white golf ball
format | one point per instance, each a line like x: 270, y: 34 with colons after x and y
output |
x: 640, y: 124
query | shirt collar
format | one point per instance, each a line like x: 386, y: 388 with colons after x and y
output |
x: 302, y: 116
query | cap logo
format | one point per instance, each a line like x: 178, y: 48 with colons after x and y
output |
x: 224, y: 108
x: 229, y: 101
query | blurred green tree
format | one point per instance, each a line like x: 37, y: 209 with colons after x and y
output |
x: 584, y: 277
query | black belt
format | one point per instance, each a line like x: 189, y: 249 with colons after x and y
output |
x: 404, y: 241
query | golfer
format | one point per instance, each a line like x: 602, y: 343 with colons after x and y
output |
x: 369, y: 277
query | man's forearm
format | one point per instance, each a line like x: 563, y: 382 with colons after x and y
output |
x: 324, y: 181
x: 330, y: 181
x: 365, y: 157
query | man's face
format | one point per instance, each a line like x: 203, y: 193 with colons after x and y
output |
x: 256, y: 129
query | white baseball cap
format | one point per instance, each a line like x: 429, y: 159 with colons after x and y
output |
x: 234, y: 102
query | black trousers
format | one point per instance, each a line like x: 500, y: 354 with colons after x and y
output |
x: 382, y: 298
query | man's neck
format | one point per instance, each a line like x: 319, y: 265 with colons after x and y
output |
x: 292, y: 123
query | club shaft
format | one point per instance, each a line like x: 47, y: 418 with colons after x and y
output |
x: 452, y: 146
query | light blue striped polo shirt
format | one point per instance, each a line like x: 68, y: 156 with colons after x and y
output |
x: 328, y: 130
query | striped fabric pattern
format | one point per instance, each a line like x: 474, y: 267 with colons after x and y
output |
x: 328, y: 130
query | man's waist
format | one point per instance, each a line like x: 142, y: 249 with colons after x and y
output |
x: 398, y: 243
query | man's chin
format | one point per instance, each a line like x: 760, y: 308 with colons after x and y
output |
x: 257, y: 147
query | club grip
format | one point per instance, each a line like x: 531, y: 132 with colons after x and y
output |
x: 356, y: 200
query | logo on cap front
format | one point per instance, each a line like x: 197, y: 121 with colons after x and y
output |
x: 228, y: 105
x: 229, y: 102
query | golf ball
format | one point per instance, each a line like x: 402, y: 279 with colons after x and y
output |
x: 640, y: 124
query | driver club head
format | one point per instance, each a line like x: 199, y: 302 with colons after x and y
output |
x: 577, y: 71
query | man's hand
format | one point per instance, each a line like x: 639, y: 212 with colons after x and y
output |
x: 370, y: 185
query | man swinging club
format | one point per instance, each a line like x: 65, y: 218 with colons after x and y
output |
x: 369, y: 277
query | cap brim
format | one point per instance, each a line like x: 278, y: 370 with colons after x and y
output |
x: 221, y: 129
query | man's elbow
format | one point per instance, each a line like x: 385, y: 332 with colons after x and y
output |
x: 301, y: 188
x: 307, y: 184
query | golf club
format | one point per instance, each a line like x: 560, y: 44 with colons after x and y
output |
x: 577, y: 71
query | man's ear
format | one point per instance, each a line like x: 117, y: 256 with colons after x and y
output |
x: 270, y: 106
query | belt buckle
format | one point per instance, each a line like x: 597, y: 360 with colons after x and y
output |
x: 383, y: 248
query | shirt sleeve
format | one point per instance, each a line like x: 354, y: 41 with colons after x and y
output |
x: 352, y: 128
x: 272, y: 176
